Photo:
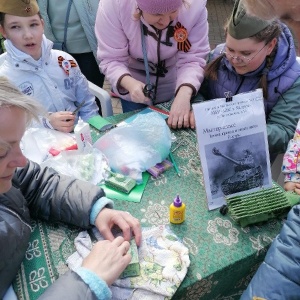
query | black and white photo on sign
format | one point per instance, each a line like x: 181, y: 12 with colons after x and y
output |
x: 233, y: 146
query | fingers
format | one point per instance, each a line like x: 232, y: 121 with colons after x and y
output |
x: 136, y: 229
x: 192, y: 120
x: 178, y: 122
x: 62, y: 121
x: 123, y: 246
x: 128, y: 224
x: 108, y: 259
x: 108, y: 218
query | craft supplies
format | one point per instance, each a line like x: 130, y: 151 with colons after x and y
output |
x: 160, y: 168
x: 120, y: 182
x: 174, y: 163
x: 133, y: 268
x: 259, y: 206
x: 78, y: 107
x: 82, y: 133
x: 177, y: 211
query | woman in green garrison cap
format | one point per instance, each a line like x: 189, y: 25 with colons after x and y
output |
x: 258, y: 54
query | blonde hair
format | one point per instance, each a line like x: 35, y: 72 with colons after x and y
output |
x: 260, y: 8
x: 10, y: 96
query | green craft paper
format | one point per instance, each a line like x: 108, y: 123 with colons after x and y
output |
x: 100, y: 123
x: 134, y: 196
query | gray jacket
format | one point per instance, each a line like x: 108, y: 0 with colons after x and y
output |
x: 86, y: 10
x: 47, y: 195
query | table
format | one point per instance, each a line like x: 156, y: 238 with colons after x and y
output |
x: 223, y: 255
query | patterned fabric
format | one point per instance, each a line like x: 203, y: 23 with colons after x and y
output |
x: 291, y: 158
x: 223, y: 255
x: 163, y: 260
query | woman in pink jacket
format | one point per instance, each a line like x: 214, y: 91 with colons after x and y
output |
x: 152, y: 51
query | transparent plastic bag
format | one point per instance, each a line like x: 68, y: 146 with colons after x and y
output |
x: 38, y: 144
x: 89, y: 165
x: 135, y: 147
x: 58, y: 150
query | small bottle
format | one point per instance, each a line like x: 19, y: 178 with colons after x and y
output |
x: 177, y: 211
x: 82, y: 132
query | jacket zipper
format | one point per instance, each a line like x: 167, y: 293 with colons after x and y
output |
x: 5, y: 208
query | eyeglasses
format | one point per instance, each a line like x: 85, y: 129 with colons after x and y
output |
x: 242, y: 58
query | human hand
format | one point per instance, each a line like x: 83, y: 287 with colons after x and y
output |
x: 180, y: 110
x: 192, y: 120
x: 108, y: 218
x: 108, y: 259
x: 62, y: 121
x: 292, y: 186
x: 135, y: 89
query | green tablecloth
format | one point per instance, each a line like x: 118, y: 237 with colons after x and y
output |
x: 223, y: 255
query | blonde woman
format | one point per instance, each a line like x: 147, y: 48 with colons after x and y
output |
x: 28, y: 191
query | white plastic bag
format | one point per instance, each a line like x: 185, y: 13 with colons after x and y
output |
x: 133, y: 148
x: 89, y: 165
x: 38, y: 143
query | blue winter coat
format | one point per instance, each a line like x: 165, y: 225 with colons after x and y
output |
x: 278, y: 277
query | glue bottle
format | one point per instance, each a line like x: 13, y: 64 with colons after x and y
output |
x: 82, y: 134
x: 177, y: 211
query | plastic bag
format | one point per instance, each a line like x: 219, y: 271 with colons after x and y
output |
x: 38, y: 144
x: 57, y: 150
x: 135, y: 147
x: 90, y: 165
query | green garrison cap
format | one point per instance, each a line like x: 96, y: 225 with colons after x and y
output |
x: 241, y: 25
x: 21, y: 8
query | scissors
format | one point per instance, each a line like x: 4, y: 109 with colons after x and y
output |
x: 149, y: 92
x: 76, y: 110
x: 78, y: 107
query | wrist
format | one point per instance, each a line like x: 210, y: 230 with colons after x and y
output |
x: 96, y: 284
x: 187, y: 89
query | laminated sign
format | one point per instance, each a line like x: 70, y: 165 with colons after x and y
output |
x: 233, y: 146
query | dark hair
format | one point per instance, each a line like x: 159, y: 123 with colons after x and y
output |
x: 2, y: 16
x: 266, y: 35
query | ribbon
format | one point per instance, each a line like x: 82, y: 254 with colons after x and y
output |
x: 181, y: 37
x: 66, y: 64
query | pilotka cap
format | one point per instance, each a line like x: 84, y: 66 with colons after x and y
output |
x: 242, y: 25
x: 20, y: 8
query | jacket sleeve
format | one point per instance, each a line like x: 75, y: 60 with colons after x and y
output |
x: 112, y: 53
x: 279, y: 272
x: 191, y: 64
x: 55, y: 197
x: 283, y: 119
x: 71, y: 286
x: 82, y: 93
